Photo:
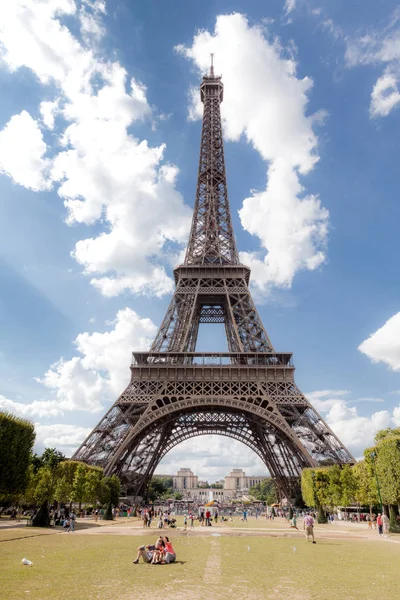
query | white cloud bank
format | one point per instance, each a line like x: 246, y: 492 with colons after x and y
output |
x: 102, y: 172
x: 266, y: 102
x: 211, y: 457
x: 380, y: 46
x: 355, y: 431
x: 66, y: 438
x: 384, y: 344
x: 90, y: 382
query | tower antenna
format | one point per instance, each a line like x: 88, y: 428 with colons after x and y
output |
x: 212, y: 65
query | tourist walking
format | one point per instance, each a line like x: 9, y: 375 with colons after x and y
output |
x: 72, y: 518
x: 379, y: 522
x: 385, y: 525
x: 293, y: 522
x: 309, y: 527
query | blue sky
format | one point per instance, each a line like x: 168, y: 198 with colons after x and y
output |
x: 99, y: 141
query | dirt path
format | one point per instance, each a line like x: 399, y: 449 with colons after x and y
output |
x: 213, y: 571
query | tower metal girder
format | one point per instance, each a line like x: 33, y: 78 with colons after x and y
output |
x: 248, y: 393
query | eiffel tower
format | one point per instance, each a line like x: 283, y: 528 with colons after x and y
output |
x: 247, y: 393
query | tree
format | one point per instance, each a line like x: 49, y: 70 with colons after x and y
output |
x: 92, y: 485
x: 65, y: 475
x: 264, y: 491
x: 387, y: 465
x: 366, y: 492
x: 109, y: 490
x: 385, y: 433
x: 62, y: 491
x: 348, y: 485
x: 315, y: 490
x: 178, y: 496
x: 51, y: 458
x: 156, y: 488
x: 78, y: 486
x: 335, y: 492
x: 44, y: 486
x: 17, y: 437
x: 308, y: 490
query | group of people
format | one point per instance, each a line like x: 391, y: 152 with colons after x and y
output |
x: 382, y: 522
x: 160, y: 553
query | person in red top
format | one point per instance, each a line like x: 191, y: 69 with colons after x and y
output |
x: 169, y: 552
x: 379, y: 522
x: 208, y: 516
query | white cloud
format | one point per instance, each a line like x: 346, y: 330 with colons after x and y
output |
x: 384, y: 344
x: 356, y: 432
x: 396, y: 416
x: 38, y: 408
x: 211, y: 457
x: 102, y: 172
x: 385, y: 95
x: 96, y: 378
x: 379, y: 46
x: 290, y: 5
x: 66, y: 438
x: 48, y: 110
x: 265, y: 101
x: 24, y: 163
x: 323, y: 400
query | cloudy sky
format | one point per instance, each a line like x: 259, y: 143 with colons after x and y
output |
x: 99, y: 139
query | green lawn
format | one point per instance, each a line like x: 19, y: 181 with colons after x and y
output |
x: 86, y: 567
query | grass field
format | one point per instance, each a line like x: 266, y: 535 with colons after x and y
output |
x: 82, y: 566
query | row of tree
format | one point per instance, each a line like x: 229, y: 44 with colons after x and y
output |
x: 51, y: 477
x: 372, y: 482
x: 29, y: 479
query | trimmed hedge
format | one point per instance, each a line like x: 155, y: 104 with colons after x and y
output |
x: 17, y: 437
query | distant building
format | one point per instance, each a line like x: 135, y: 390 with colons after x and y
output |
x: 185, y: 479
x: 235, y: 485
x: 237, y: 480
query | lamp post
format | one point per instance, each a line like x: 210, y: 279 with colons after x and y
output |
x: 373, y: 456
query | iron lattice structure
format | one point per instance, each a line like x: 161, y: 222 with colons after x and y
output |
x: 248, y: 393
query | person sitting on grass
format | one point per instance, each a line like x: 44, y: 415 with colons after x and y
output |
x: 169, y: 552
x: 146, y: 552
x: 158, y: 554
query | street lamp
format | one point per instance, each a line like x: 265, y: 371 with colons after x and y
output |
x: 373, y: 456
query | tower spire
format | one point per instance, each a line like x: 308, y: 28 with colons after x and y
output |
x: 212, y: 65
x: 211, y: 238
